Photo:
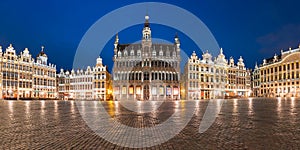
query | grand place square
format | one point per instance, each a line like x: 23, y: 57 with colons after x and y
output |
x: 149, y: 75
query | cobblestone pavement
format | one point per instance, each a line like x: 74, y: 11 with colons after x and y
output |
x: 241, y: 124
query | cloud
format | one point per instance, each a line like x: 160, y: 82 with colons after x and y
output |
x: 285, y: 37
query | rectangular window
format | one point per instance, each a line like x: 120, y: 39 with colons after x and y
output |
x: 153, y: 91
x: 138, y: 90
x: 169, y: 91
x: 130, y: 90
x: 124, y: 90
x: 161, y: 90
x: 176, y: 91
x: 116, y: 90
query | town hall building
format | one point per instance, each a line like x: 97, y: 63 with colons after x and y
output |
x: 146, y: 70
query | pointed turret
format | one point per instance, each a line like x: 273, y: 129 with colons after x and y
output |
x: 146, y: 24
x: 256, y: 66
x: 99, y: 61
x: 116, y: 44
x: 241, y: 64
x: 177, y: 42
x: 221, y: 58
x: 231, y: 62
x: 42, y: 57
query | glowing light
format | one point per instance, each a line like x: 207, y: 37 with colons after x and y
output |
x: 250, y: 106
x: 176, y: 92
x: 55, y: 106
x: 176, y: 105
x: 138, y: 90
x: 109, y: 91
x: 278, y: 104
x: 124, y: 90
x: 11, y: 106
x: 235, y: 103
x: 130, y: 90
x: 116, y: 107
x: 27, y: 104
x: 42, y: 107
x: 116, y: 90
x: 197, y: 107
x: 293, y: 103
x: 72, y: 107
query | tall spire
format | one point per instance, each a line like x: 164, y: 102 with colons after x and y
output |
x: 176, y: 38
x: 146, y: 30
x: 146, y: 24
x: 116, y: 41
x: 117, y: 38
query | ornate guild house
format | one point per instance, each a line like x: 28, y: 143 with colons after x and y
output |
x: 24, y: 78
x: 209, y: 79
x: 147, y: 70
x: 278, y: 76
x: 93, y: 83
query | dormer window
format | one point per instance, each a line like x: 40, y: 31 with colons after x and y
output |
x: 161, y: 53
x: 139, y: 53
x: 131, y: 53
x: 174, y: 54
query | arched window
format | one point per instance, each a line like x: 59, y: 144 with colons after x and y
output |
x: 119, y: 54
x: 125, y: 53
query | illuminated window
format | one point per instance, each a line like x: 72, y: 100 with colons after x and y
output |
x: 138, y: 90
x: 131, y: 90
x: 168, y: 91
x: 153, y: 91
x: 176, y: 90
x: 161, y: 90
x: 116, y: 90
x: 124, y: 90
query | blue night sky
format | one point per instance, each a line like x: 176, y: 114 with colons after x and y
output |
x: 252, y: 29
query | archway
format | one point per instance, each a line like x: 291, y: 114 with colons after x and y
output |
x: 146, y: 92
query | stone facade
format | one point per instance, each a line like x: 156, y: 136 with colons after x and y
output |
x: 208, y: 79
x: 24, y: 78
x: 278, y: 76
x: 90, y: 84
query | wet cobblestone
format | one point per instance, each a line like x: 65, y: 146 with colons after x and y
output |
x: 241, y: 124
